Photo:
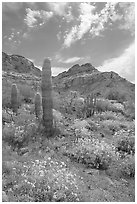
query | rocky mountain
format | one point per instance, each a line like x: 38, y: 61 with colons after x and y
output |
x: 86, y: 79
x: 19, y: 64
x: 83, y: 78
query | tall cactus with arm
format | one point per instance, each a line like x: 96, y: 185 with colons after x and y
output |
x: 47, y: 102
x: 14, y: 98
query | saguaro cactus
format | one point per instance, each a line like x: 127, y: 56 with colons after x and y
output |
x: 14, y: 98
x: 47, y: 102
x: 38, y: 105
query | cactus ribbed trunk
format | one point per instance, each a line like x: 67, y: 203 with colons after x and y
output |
x: 14, y: 98
x: 38, y: 105
x: 47, y: 102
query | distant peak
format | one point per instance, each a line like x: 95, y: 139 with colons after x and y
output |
x: 82, y: 69
x: 87, y: 65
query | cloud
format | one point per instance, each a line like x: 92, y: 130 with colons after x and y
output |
x: 71, y: 60
x: 94, y: 23
x: 123, y: 65
x: 86, y: 18
x: 91, y: 21
x: 71, y: 37
x: 128, y: 17
x: 56, y: 70
x: 33, y: 15
x: 11, y: 6
x: 60, y: 59
x: 58, y: 8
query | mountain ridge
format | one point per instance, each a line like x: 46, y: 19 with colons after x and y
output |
x: 83, y: 78
x: 18, y: 63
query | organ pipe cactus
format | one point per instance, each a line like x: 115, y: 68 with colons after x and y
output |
x: 47, y: 102
x: 14, y: 98
x: 38, y: 105
x: 90, y: 103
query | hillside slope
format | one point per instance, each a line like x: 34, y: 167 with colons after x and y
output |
x: 86, y: 79
x: 18, y: 64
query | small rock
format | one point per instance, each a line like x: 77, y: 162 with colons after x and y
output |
x: 92, y: 172
x: 4, y: 197
x: 23, y: 151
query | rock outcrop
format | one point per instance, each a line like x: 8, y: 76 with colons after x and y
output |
x: 18, y: 64
x: 87, y: 79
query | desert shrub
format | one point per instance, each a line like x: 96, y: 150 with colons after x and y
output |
x: 13, y: 136
x: 92, y: 126
x: 8, y: 133
x: 116, y: 95
x: 103, y: 105
x: 19, y: 136
x: 109, y: 115
x: 129, y: 110
x: 42, y: 181
x: 126, y: 145
x: 20, y: 128
x: 123, y: 167
x: 26, y: 92
x: 116, y: 107
x: 111, y: 125
x: 127, y: 167
x: 24, y: 117
x: 72, y: 104
x: 93, y: 153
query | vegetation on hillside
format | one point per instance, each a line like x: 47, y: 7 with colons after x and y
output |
x: 88, y: 156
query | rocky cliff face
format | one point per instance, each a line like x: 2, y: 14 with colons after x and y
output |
x: 17, y: 63
x: 87, y: 79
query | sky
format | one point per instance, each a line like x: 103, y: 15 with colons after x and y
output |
x: 100, y: 33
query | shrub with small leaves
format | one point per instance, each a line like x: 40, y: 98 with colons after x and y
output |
x: 126, y: 145
x: 123, y: 167
x: 26, y: 93
x: 128, y: 166
x: 116, y: 95
x: 93, y: 153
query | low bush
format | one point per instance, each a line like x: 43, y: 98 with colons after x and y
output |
x: 129, y: 110
x: 19, y: 136
x: 109, y: 115
x: 93, y: 153
x: 26, y: 93
x: 111, y: 125
x: 116, y: 95
x: 123, y: 167
x: 126, y: 145
x: 104, y: 105
x: 127, y: 167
